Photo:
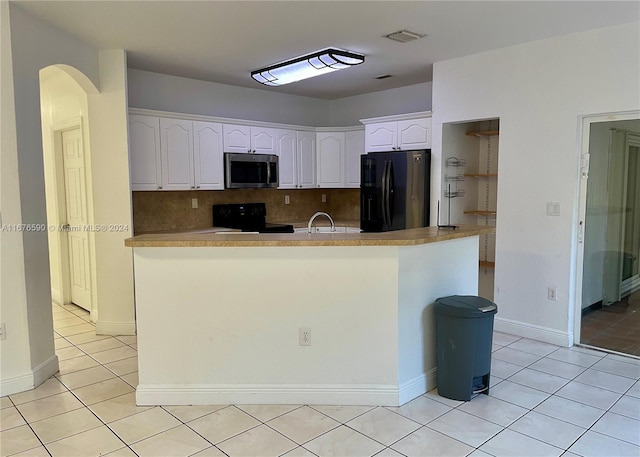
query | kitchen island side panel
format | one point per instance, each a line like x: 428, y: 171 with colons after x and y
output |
x: 426, y: 273
x: 220, y: 325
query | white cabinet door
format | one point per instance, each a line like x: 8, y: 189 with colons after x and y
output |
x: 330, y: 155
x: 237, y: 138
x: 398, y: 135
x: 144, y: 152
x: 247, y: 139
x: 306, y: 155
x: 176, y: 150
x: 287, y: 161
x: 381, y: 137
x: 354, y: 148
x: 263, y: 140
x: 208, y: 156
x: 414, y: 134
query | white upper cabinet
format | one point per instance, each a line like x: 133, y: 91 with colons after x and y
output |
x: 175, y: 154
x: 208, y: 156
x: 249, y: 139
x: 306, y: 159
x: 414, y: 134
x: 381, y: 137
x: 395, y: 133
x: 296, y: 159
x: 176, y: 151
x: 354, y: 148
x: 237, y: 138
x: 144, y: 155
x: 330, y: 150
x: 286, y: 142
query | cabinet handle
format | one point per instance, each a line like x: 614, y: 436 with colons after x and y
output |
x: 197, y: 187
x: 159, y: 187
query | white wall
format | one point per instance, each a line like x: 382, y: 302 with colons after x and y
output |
x: 191, y: 96
x: 539, y: 90
x: 112, y: 196
x: 409, y: 99
x: 104, y: 123
x: 26, y: 306
x: 15, y: 360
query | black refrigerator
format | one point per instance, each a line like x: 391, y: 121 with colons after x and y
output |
x: 394, y: 190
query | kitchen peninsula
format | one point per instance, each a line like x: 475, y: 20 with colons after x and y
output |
x: 294, y: 318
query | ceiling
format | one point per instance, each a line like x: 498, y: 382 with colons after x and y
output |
x: 223, y: 41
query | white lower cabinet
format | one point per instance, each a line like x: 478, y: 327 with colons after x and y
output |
x: 325, y: 229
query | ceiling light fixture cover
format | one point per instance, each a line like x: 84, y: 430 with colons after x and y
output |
x: 308, y: 66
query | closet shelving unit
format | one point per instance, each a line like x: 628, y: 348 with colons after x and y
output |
x: 474, y: 145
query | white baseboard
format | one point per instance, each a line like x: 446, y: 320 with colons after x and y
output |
x: 179, y: 394
x: 417, y: 386
x: 115, y: 328
x: 534, y: 332
x: 31, y: 379
x: 56, y: 296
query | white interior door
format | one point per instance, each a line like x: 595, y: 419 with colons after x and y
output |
x: 76, y: 215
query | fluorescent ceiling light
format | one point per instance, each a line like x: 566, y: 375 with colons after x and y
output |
x: 308, y: 66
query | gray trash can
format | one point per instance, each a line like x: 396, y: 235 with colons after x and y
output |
x: 464, y: 333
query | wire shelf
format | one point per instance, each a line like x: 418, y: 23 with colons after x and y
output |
x: 455, y: 178
x: 455, y: 162
x: 454, y: 193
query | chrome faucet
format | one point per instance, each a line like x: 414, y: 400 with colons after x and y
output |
x: 321, y: 213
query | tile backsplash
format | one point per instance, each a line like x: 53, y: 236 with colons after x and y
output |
x: 172, y: 210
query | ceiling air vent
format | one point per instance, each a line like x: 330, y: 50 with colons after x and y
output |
x: 382, y: 77
x: 404, y: 36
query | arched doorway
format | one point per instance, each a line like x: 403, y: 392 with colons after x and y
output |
x: 68, y: 185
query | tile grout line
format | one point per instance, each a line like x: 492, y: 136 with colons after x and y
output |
x: 340, y: 423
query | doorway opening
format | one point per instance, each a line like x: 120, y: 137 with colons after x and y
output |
x: 67, y: 160
x: 609, y: 316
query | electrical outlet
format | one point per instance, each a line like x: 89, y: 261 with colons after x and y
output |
x: 324, y: 198
x: 304, y: 336
x: 552, y: 293
x: 286, y: 200
x: 3, y: 332
x: 194, y: 203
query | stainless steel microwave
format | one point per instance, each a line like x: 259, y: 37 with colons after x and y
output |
x: 250, y: 171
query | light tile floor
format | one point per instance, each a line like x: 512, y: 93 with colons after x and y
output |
x: 544, y: 401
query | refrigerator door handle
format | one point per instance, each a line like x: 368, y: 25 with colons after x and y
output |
x: 384, y: 193
x: 391, y: 191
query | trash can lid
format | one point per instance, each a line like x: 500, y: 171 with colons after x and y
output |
x: 465, y: 306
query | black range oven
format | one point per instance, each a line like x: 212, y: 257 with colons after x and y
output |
x: 248, y: 217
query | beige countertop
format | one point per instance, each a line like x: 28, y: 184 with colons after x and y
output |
x: 212, y: 238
